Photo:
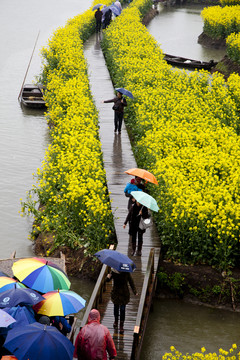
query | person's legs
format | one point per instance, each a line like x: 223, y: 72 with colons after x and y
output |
x: 116, y: 315
x: 115, y: 121
x: 122, y: 317
x: 140, y: 242
x: 134, y: 236
x: 120, y: 119
x: 98, y: 26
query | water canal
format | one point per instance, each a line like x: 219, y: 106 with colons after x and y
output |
x: 24, y: 138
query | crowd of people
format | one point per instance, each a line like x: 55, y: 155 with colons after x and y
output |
x: 104, y: 17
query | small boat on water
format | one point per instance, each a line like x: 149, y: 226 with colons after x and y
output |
x: 32, y: 96
x: 189, y: 63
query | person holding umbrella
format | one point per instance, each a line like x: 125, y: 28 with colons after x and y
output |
x: 121, y: 267
x: 118, y: 107
x: 120, y: 294
x: 133, y: 218
x: 98, y: 16
x: 135, y: 184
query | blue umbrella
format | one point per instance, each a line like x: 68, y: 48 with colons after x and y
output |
x: 96, y: 7
x: 116, y: 11
x: 24, y: 315
x: 116, y: 260
x: 125, y: 92
x: 5, y: 319
x: 37, y: 341
x: 19, y: 296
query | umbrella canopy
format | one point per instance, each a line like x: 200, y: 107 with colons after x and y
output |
x: 143, y: 174
x: 125, y: 92
x: 116, y: 11
x: 39, y: 342
x: 104, y: 9
x: 23, y: 315
x: 146, y: 200
x: 60, y: 303
x: 40, y: 275
x: 7, y: 283
x: 116, y: 260
x: 3, y: 274
x: 96, y: 7
x: 19, y: 296
x: 5, y: 319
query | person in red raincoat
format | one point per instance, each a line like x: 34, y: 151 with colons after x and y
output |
x: 94, y: 340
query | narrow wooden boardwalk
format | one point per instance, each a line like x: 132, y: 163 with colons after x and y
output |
x: 118, y: 157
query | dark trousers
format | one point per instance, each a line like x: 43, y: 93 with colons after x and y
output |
x: 140, y: 238
x: 122, y: 309
x: 98, y: 26
x: 118, y: 118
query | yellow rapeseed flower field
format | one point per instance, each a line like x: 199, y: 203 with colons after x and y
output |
x: 71, y: 186
x: 186, y: 132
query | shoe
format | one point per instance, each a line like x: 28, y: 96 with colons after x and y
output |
x: 121, y: 327
x: 139, y: 253
x: 119, y: 132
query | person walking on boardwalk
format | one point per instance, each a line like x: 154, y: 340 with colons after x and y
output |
x: 133, y: 218
x: 120, y: 295
x: 134, y: 185
x: 94, y: 341
x: 98, y: 17
x: 118, y: 107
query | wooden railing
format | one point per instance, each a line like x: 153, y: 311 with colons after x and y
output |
x: 145, y: 304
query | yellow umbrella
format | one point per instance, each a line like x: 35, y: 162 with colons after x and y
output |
x: 144, y: 174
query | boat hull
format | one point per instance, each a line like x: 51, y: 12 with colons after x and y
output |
x: 32, y: 97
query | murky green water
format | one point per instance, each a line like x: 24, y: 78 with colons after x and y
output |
x: 188, y: 328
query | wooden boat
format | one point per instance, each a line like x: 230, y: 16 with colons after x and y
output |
x: 189, y: 63
x: 32, y: 96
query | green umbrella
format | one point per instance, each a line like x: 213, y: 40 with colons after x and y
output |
x: 145, y: 199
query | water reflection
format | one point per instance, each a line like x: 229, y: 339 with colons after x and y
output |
x: 177, y: 31
x: 117, y: 159
x: 84, y: 288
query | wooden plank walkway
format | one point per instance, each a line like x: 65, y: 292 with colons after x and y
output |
x: 118, y: 157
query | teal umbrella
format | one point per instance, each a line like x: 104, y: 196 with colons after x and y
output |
x: 145, y: 199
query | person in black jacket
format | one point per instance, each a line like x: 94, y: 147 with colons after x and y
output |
x: 120, y: 294
x: 98, y: 17
x: 118, y: 107
x: 133, y: 218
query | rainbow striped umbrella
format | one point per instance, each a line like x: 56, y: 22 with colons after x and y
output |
x: 40, y: 274
x: 60, y: 303
x: 7, y: 283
